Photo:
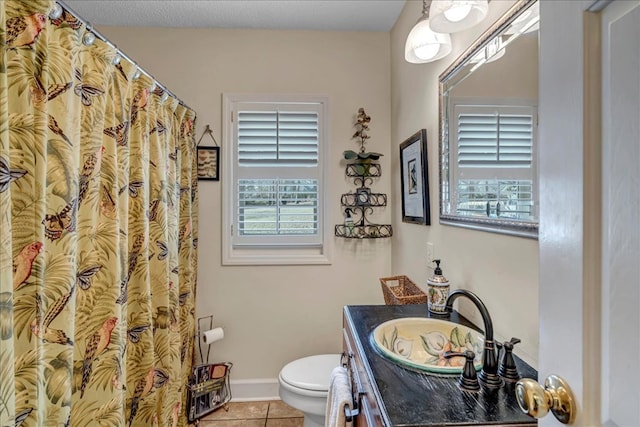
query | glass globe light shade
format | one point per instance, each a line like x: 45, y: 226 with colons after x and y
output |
x: 450, y: 16
x: 527, y: 22
x: 423, y: 45
x: 497, y: 55
x: 489, y: 54
x: 457, y: 12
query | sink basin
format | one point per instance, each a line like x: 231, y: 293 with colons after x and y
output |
x: 418, y: 343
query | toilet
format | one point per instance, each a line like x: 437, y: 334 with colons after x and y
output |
x: 304, y: 385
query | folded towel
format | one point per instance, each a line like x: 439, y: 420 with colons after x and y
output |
x: 338, y: 399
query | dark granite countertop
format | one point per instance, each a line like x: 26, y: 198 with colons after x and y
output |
x: 412, y: 399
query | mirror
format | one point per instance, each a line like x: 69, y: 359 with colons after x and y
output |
x: 488, y: 129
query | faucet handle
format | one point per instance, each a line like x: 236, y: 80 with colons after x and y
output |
x: 468, y: 380
x: 507, y: 369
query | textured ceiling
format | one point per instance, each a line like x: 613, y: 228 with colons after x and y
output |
x: 329, y: 15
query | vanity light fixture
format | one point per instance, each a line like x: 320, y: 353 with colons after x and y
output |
x: 423, y: 45
x: 528, y: 22
x: 493, y: 51
x: 451, y: 16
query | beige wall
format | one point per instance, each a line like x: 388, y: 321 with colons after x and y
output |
x: 515, y: 75
x: 272, y: 315
x: 501, y: 270
x: 275, y: 314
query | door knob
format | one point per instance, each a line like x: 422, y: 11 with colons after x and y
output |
x: 556, y: 396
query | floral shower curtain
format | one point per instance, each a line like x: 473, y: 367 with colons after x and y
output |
x: 98, y: 205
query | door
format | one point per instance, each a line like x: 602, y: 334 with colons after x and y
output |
x: 621, y: 213
x: 590, y: 212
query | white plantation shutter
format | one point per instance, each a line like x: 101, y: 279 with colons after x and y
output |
x: 277, y: 207
x: 275, y: 138
x: 495, y: 140
x: 512, y: 199
x: 493, y: 160
x: 279, y: 178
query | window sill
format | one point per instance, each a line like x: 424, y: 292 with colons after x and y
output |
x: 276, y: 256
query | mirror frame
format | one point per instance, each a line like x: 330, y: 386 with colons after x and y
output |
x: 510, y: 227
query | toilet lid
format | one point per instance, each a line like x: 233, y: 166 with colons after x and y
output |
x: 312, y: 372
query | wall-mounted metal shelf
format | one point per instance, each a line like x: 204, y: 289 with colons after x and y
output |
x: 361, y: 203
x: 364, y: 170
x: 369, y: 231
x: 364, y: 199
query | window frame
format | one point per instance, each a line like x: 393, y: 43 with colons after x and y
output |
x: 268, y: 253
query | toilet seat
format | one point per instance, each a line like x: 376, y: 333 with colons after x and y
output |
x: 310, y: 375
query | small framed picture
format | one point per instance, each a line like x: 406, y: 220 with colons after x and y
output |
x: 363, y: 197
x: 414, y: 180
x: 208, y: 163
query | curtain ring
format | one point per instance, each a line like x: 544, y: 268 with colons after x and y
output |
x: 56, y: 11
x: 88, y: 38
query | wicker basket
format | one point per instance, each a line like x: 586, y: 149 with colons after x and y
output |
x: 400, y: 290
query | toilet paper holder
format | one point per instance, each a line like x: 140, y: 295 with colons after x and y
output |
x: 201, y: 333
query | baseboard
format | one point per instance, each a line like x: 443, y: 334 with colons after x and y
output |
x: 254, y: 390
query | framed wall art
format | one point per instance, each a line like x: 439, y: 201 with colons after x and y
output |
x: 414, y: 180
x: 208, y: 163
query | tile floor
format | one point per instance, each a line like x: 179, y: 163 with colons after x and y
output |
x: 273, y: 413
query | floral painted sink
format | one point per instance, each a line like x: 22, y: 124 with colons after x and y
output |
x: 418, y: 342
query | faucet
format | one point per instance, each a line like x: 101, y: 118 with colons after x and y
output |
x: 489, y: 374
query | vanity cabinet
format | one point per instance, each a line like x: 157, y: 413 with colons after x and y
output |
x: 364, y: 397
x: 388, y: 395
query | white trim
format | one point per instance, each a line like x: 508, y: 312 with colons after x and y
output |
x: 251, y: 256
x: 255, y: 389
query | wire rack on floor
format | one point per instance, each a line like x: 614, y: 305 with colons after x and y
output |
x: 208, y: 387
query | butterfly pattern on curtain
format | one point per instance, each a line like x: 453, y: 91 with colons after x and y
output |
x: 98, y: 223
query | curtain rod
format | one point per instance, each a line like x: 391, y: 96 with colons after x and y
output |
x: 120, y: 53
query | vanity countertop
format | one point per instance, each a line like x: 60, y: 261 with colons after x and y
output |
x: 412, y: 399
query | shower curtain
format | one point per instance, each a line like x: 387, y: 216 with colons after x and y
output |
x: 98, y: 205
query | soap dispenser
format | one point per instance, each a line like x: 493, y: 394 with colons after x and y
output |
x: 438, y: 291
x: 348, y: 222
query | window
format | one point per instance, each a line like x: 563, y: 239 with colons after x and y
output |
x: 493, y: 161
x: 275, y: 197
